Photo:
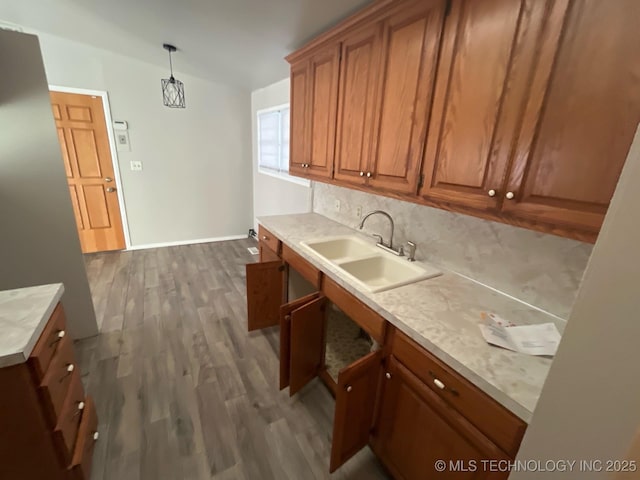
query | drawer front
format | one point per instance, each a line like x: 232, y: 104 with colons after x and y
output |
x: 496, y: 422
x: 369, y: 320
x: 66, y: 430
x: 266, y: 254
x: 80, y: 467
x: 55, y: 385
x: 48, y: 343
x: 300, y: 265
x: 269, y: 239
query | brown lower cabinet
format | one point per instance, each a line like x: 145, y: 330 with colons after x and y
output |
x: 389, y: 391
x: 48, y: 426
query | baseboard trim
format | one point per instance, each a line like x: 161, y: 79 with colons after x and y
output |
x: 186, y: 242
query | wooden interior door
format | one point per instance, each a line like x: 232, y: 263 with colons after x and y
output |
x: 285, y: 336
x: 299, y: 115
x: 410, y: 56
x: 265, y: 290
x: 477, y: 101
x: 416, y: 428
x: 582, y: 113
x: 307, y: 343
x: 356, y: 396
x: 359, y: 73
x: 323, y: 104
x: 84, y: 141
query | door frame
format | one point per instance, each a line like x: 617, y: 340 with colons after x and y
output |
x: 104, y: 95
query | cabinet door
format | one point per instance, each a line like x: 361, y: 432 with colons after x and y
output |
x: 405, y: 83
x: 476, y: 100
x: 359, y: 73
x: 285, y: 335
x: 306, y: 344
x: 416, y: 428
x: 299, y: 113
x: 323, y: 102
x: 356, y: 395
x: 582, y: 112
x: 265, y: 288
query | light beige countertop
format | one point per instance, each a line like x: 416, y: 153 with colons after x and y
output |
x: 24, y: 312
x: 441, y: 314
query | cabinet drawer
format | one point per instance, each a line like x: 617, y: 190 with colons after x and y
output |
x: 80, y: 467
x: 304, y: 268
x: 369, y: 320
x: 269, y: 239
x: 55, y: 385
x: 47, y: 344
x: 66, y: 430
x: 495, y: 421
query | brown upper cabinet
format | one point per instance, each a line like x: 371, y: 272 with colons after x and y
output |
x: 314, y: 99
x: 467, y: 151
x: 511, y: 110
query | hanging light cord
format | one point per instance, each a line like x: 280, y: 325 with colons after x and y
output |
x: 170, y: 64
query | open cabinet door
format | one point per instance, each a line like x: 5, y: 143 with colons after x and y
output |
x: 285, y: 335
x: 265, y: 287
x: 355, y: 404
x: 307, y: 343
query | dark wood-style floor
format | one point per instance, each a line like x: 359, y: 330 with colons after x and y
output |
x: 182, y: 390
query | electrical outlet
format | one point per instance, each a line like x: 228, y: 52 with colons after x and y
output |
x: 358, y: 211
x: 136, y: 166
x: 337, y: 205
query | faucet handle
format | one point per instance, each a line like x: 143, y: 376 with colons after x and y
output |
x: 379, y: 237
x: 411, y: 251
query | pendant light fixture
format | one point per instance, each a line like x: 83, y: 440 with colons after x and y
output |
x: 172, y: 89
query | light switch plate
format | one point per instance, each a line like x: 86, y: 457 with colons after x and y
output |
x: 136, y: 166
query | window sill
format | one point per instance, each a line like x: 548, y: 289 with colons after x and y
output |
x: 286, y: 177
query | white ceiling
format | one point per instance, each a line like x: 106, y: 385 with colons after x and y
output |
x: 242, y: 42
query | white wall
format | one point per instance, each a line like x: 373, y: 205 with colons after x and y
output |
x: 274, y: 196
x: 196, y: 182
x: 590, y: 404
x: 38, y: 238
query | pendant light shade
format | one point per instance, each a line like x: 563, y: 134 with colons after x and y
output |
x: 172, y: 89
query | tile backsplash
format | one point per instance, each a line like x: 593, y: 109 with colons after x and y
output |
x: 540, y: 269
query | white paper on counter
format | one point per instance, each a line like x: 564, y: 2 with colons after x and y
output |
x: 540, y: 339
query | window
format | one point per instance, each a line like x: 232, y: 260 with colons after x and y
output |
x: 273, y: 143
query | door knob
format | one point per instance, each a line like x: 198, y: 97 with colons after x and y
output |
x: 108, y: 179
x: 510, y: 195
x: 111, y: 189
x: 492, y: 193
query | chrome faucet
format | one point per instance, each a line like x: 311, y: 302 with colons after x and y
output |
x: 385, y: 246
x: 389, y: 246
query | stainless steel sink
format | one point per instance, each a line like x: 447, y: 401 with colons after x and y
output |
x: 370, y: 267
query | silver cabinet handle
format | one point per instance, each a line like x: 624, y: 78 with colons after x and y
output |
x: 81, y: 406
x: 368, y: 174
x: 96, y: 436
x: 388, y: 375
x: 71, y: 367
x: 264, y: 237
x: 492, y: 193
x: 439, y: 384
x: 510, y: 195
x: 362, y: 174
x: 108, y: 179
x: 349, y: 388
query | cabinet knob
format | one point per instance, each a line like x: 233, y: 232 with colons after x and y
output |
x: 61, y: 334
x: 388, y: 375
x: 492, y: 193
x: 96, y: 436
x: 510, y: 195
x: 81, y: 406
x: 306, y: 165
x: 71, y: 367
x: 368, y: 174
x: 349, y: 388
x: 439, y: 384
x: 362, y: 174
x: 264, y: 237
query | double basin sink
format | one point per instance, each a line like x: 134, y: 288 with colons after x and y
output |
x: 372, y: 268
